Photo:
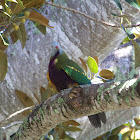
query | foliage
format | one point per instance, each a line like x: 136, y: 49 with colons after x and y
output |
x: 127, y: 131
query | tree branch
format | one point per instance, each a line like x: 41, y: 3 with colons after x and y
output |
x: 78, y: 102
x: 89, y: 17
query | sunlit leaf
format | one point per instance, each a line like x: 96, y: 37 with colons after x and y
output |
x: 133, y: 3
x: 37, y: 98
x: 84, y: 64
x: 13, y: 1
x: 137, y: 54
x: 72, y: 128
x: 72, y: 122
x: 129, y: 34
x: 126, y: 40
x: 118, y: 4
x: 138, y: 2
x: 40, y: 27
x: 33, y: 3
x: 21, y: 34
x: 92, y: 64
x: 14, y: 37
x: 37, y: 17
x: 3, y: 65
x: 137, y: 35
x: 24, y: 98
x: 107, y: 74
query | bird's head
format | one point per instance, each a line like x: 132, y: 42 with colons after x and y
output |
x: 56, y: 49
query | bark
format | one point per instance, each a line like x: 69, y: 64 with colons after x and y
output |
x: 79, y: 102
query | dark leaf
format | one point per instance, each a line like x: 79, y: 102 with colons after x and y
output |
x: 14, y: 37
x: 41, y: 28
x: 117, y: 130
x: 37, y: 98
x: 107, y: 74
x: 4, y: 39
x: 133, y: 3
x: 21, y: 34
x: 129, y: 34
x: 118, y: 4
x: 33, y: 3
x: 2, y: 46
x: 16, y: 7
x: 137, y: 121
x: 3, y: 65
x: 84, y: 64
x: 24, y: 98
x: 71, y: 122
x: 137, y: 54
x: 37, y: 17
x: 72, y: 129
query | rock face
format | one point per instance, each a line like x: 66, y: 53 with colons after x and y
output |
x: 78, y: 36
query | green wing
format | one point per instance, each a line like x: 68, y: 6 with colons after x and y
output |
x: 75, y: 72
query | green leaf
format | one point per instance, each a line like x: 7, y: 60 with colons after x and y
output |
x: 75, y: 72
x: 134, y: 3
x: 14, y: 37
x: 137, y: 54
x: 118, y: 4
x: 3, y: 65
x: 2, y: 46
x: 107, y: 74
x: 129, y: 34
x: 72, y: 122
x: 93, y: 66
x: 13, y: 1
x: 40, y: 27
x: 126, y: 40
x: 24, y: 98
x: 56, y: 111
x: 72, y: 128
x: 37, y: 17
x: 21, y: 34
x: 33, y: 3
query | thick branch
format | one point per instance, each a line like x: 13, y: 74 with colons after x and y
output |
x: 78, y: 102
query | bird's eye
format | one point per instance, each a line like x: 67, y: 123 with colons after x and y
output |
x: 56, y: 47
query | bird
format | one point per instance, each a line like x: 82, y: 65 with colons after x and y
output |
x: 64, y: 73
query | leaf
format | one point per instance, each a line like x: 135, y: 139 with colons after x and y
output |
x: 24, y: 98
x: 37, y: 17
x: 96, y: 59
x: 16, y: 7
x: 107, y: 74
x: 72, y: 122
x: 3, y: 65
x: 2, y: 46
x: 137, y: 35
x: 21, y: 34
x: 33, y: 3
x: 113, y: 137
x: 84, y: 64
x: 129, y: 34
x: 138, y: 2
x: 13, y: 1
x: 137, y: 121
x: 37, y: 98
x: 118, y: 4
x: 134, y: 3
x: 40, y: 27
x: 14, y: 37
x: 4, y: 39
x: 75, y: 72
x: 137, y: 54
x: 126, y: 40
x: 72, y: 128
x: 60, y: 132
x: 93, y: 66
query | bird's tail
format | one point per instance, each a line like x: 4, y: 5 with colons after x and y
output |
x: 96, y: 119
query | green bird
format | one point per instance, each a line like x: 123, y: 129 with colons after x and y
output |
x: 64, y: 73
